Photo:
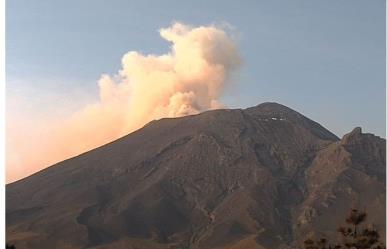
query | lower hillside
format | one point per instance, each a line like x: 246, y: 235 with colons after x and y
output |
x: 265, y: 177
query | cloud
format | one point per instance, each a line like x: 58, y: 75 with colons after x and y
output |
x: 187, y: 80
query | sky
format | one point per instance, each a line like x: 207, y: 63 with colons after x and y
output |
x: 325, y: 59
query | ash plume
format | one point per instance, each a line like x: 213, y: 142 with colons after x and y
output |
x: 187, y: 80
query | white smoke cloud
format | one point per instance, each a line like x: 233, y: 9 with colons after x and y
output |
x: 187, y: 80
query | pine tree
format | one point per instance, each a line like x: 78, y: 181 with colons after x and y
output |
x: 355, y: 235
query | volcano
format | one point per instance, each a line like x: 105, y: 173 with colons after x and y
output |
x: 264, y: 177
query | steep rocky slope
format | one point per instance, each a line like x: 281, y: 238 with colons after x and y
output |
x: 264, y: 177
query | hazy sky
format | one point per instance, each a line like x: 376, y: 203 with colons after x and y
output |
x: 325, y: 59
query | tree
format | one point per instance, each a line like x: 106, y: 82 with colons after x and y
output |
x: 355, y: 235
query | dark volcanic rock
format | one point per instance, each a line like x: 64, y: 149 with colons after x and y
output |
x: 263, y: 177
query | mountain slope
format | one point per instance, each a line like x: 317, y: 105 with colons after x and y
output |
x: 263, y: 177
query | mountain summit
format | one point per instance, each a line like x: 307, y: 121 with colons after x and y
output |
x: 265, y: 177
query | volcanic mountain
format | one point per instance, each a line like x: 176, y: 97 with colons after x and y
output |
x: 264, y: 177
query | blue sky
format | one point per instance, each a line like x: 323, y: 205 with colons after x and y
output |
x: 325, y: 59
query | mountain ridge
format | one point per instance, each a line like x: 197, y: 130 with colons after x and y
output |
x: 249, y: 175
x: 274, y: 105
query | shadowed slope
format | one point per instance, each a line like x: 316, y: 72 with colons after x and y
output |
x: 220, y: 179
